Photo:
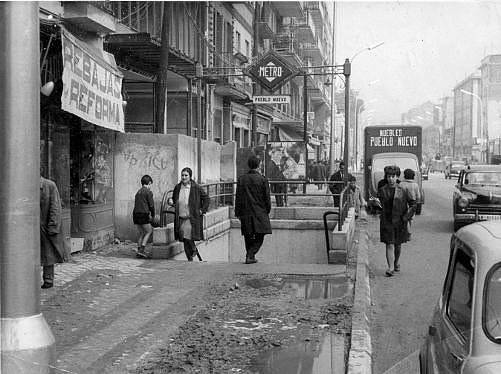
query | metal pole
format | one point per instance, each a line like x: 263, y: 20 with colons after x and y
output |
x: 333, y: 98
x: 27, y: 344
x: 255, y: 52
x: 199, y: 131
x: 346, y: 73
x: 305, y: 127
x: 189, y: 116
x: 161, y: 116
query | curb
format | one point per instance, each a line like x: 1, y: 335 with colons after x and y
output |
x: 360, y: 353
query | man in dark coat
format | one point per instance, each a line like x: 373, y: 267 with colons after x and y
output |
x: 337, y: 188
x: 52, y: 249
x: 252, y: 207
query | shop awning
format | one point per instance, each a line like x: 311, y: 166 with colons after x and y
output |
x: 92, y: 84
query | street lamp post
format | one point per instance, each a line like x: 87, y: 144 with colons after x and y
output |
x: 483, y: 131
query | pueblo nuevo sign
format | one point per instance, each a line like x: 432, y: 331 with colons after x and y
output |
x: 271, y: 71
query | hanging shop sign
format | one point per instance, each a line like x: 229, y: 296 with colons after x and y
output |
x: 275, y: 99
x: 92, y: 87
x: 271, y: 71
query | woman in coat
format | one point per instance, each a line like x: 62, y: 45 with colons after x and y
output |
x: 191, y: 202
x: 252, y: 208
x: 52, y: 249
x: 398, y: 208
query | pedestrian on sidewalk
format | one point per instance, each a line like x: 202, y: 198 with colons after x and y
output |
x: 191, y: 202
x: 143, y: 214
x: 337, y: 188
x: 252, y: 208
x: 411, y: 185
x: 398, y: 208
x: 355, y: 198
x: 52, y: 249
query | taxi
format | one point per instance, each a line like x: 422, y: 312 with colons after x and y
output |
x: 464, y: 335
x: 477, y: 195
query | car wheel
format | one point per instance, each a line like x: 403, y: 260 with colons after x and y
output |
x: 418, y: 209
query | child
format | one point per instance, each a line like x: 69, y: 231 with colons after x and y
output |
x: 143, y: 208
x: 355, y: 198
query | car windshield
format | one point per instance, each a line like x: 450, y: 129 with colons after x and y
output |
x: 402, y: 162
x: 483, y: 178
x: 492, y: 304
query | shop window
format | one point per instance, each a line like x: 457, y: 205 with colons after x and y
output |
x: 91, y: 165
x: 246, y: 138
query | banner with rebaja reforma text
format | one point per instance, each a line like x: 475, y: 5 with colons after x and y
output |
x: 92, y: 88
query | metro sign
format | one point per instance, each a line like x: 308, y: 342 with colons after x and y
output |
x: 271, y: 71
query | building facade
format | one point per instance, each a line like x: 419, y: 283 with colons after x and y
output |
x: 467, y: 133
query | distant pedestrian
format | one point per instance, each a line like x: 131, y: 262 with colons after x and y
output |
x: 252, y: 208
x: 355, y: 198
x: 52, y: 249
x: 398, y: 208
x: 191, y: 202
x: 143, y: 214
x: 337, y: 188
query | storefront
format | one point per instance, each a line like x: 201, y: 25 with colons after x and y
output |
x: 241, y: 124
x: 79, y: 119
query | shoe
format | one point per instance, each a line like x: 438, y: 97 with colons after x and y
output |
x: 250, y: 260
x: 141, y: 254
x: 389, y: 273
x: 47, y: 285
x: 397, y: 268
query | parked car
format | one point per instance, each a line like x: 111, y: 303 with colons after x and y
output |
x: 465, y: 331
x: 453, y: 169
x: 477, y: 195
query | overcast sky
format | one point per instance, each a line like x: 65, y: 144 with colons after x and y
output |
x: 428, y: 48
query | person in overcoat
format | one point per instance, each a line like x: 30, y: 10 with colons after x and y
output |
x: 52, y: 250
x: 337, y: 188
x: 191, y: 202
x: 398, y: 207
x: 252, y: 208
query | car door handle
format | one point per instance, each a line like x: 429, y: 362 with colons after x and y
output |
x: 458, y: 358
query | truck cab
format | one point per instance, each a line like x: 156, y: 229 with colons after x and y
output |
x: 403, y: 161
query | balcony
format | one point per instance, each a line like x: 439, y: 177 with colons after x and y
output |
x: 312, y: 51
x: 265, y: 31
x: 317, y: 11
x: 286, y: 45
x: 289, y: 8
x: 305, y: 29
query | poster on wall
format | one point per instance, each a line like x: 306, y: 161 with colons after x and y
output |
x: 92, y: 87
x: 286, y: 158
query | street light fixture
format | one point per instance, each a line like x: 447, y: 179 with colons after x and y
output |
x: 482, y: 129
x: 366, y: 49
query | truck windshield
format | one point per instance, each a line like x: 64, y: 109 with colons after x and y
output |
x: 402, y: 162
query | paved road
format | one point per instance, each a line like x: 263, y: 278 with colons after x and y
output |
x: 403, y: 305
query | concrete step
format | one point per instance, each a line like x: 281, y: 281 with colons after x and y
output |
x: 166, y: 251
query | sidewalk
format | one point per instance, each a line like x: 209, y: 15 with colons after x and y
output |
x: 109, y: 310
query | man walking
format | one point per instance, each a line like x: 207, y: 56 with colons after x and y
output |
x: 252, y: 207
x: 52, y: 249
x: 337, y: 188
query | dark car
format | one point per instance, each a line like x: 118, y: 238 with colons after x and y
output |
x: 465, y: 332
x: 453, y: 169
x: 477, y: 195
